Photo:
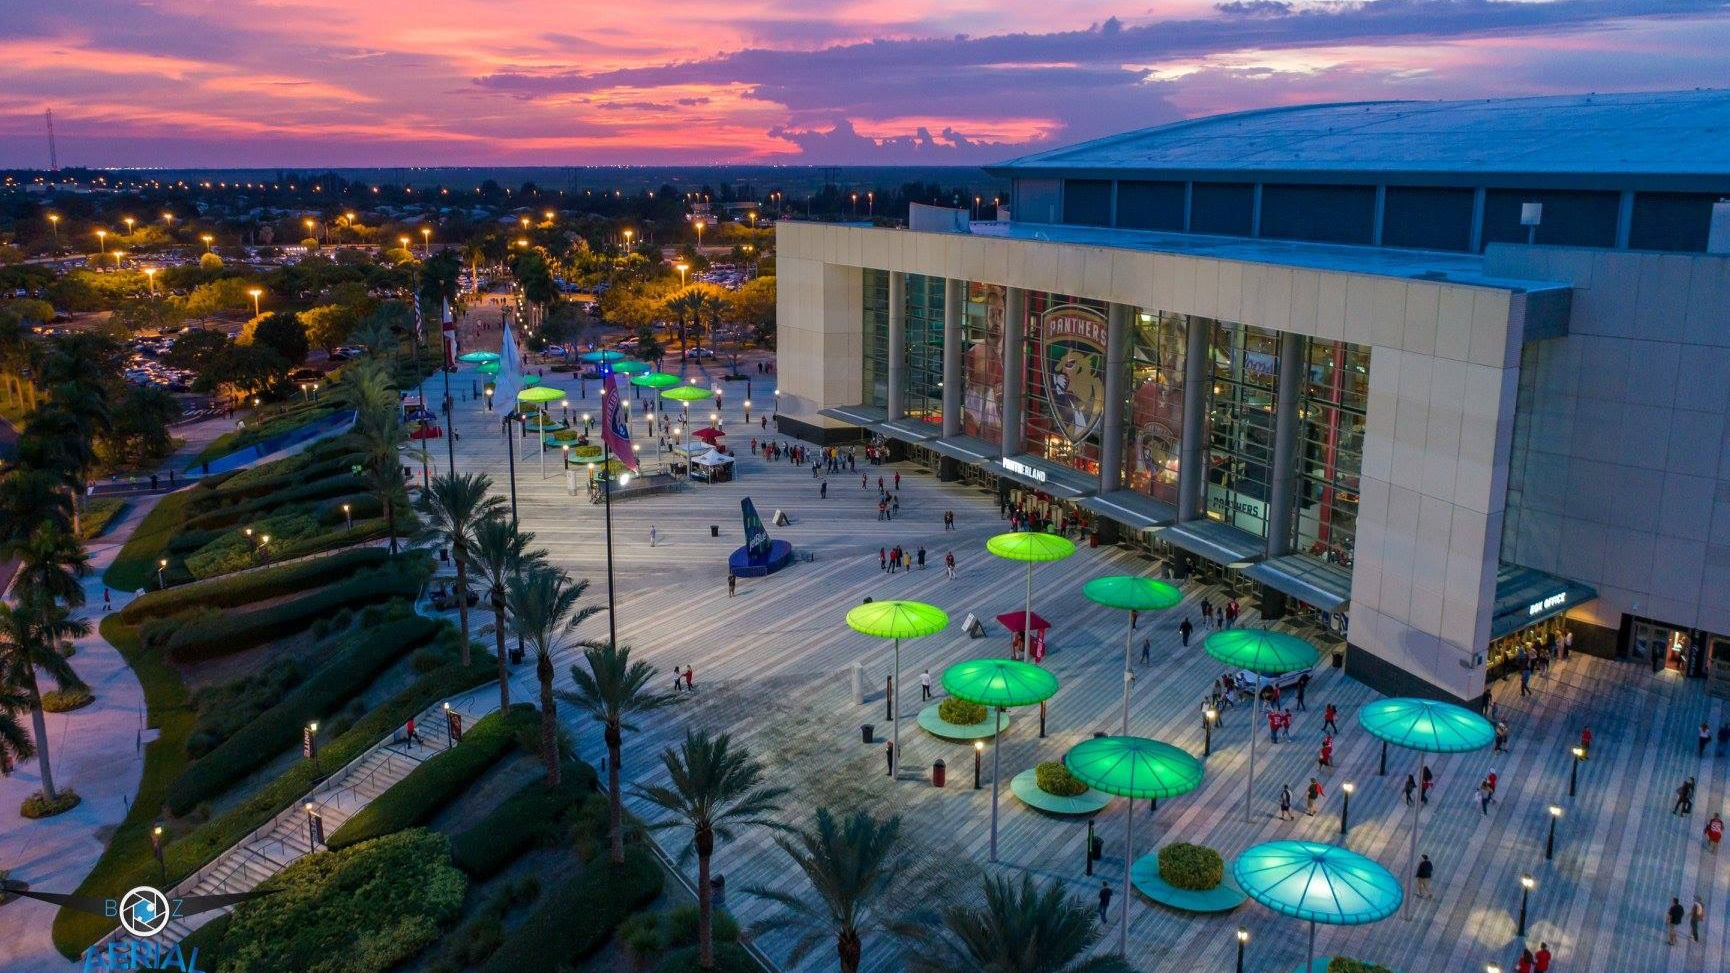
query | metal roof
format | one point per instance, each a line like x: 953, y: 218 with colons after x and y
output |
x: 1644, y: 133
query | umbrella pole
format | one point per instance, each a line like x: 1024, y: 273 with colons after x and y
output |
x: 541, y: 441
x: 1310, y: 961
x: 1027, y: 617
x: 1254, y: 730
x: 1417, y: 811
x: 895, y: 711
x: 1128, y: 637
x: 996, y: 739
x: 1128, y: 860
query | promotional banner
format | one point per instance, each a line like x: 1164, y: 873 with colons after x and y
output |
x: 1073, y: 360
x: 448, y: 330
x: 615, y: 424
x: 756, y: 535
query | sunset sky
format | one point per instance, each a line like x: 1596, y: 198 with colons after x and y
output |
x: 574, y: 82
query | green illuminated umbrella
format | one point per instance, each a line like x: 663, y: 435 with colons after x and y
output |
x: 897, y: 620
x: 478, y: 357
x: 1317, y: 883
x: 998, y: 683
x: 1264, y: 653
x: 1426, y: 726
x: 656, y: 380
x: 687, y: 393
x: 531, y: 380
x: 601, y: 356
x: 1030, y: 546
x: 1132, y: 767
x: 488, y: 368
x: 631, y: 367
x: 540, y: 394
x: 1131, y: 594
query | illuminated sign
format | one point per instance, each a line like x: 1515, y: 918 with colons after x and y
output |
x: 1016, y: 466
x: 1540, y: 607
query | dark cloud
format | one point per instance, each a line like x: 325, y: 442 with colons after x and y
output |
x: 1254, y: 8
x: 842, y: 143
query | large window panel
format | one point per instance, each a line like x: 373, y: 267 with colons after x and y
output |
x: 1240, y: 424
x: 875, y: 371
x: 1331, y: 449
x: 924, y: 399
x: 1153, y: 426
x: 982, y: 362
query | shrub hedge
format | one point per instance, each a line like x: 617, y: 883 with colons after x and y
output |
x: 213, y: 636
x: 1345, y: 964
x: 224, y: 709
x: 350, y: 670
x: 1193, y: 867
x: 66, y: 700
x: 729, y: 958
x: 438, y: 780
x: 1053, y: 777
x: 135, y: 566
x: 960, y: 712
x: 576, y: 918
x: 38, y: 806
x: 533, y: 815
x: 228, y: 516
x: 361, y: 910
x: 233, y: 551
x: 272, y: 582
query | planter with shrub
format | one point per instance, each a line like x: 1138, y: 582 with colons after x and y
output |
x: 957, y: 719
x: 1051, y: 788
x: 1187, y: 877
x: 36, y: 806
x: 66, y: 700
x: 1345, y: 964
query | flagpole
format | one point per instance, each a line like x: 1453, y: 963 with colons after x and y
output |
x: 446, y: 365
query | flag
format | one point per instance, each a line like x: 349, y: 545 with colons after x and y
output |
x: 615, y: 425
x: 419, y: 325
x: 448, y: 331
x: 1039, y: 645
x: 509, y: 379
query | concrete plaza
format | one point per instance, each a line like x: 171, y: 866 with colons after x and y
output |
x: 772, y: 669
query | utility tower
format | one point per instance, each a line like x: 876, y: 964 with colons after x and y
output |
x: 53, y: 156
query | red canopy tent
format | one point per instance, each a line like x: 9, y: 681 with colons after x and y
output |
x: 1012, y: 621
x: 708, y: 434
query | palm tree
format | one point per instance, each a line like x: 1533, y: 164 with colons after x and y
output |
x: 454, y: 505
x: 543, y: 605
x: 715, y: 304
x: 688, y: 302
x: 613, y: 690
x: 30, y: 498
x: 499, y: 552
x: 50, y: 565
x: 15, y: 743
x: 715, y: 789
x: 30, y: 634
x: 849, y: 867
x: 1021, y: 928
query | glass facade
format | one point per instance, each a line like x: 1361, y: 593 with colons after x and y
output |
x: 1240, y: 424
x: 924, y: 398
x: 982, y: 362
x: 1153, y: 416
x: 1331, y: 449
x: 1064, y: 349
x: 874, y: 382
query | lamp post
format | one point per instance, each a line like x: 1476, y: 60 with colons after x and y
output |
x: 161, y: 566
x: 255, y: 293
x: 348, y: 514
x: 1550, y: 842
x: 682, y: 267
x: 1574, y: 771
x: 128, y: 221
x: 54, y: 221
x: 102, y: 241
x: 1208, y: 715
x: 1527, y: 884
x: 156, y: 849
x: 312, y: 744
x: 978, y: 750
x: 1346, y: 807
x: 150, y: 275
x: 1242, y: 941
x: 747, y: 410
x: 208, y: 239
x: 425, y: 241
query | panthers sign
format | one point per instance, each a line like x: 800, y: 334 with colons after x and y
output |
x: 1073, y: 342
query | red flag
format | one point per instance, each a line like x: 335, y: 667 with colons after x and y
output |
x: 1039, y: 645
x: 615, y: 427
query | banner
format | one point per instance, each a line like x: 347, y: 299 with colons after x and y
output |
x: 756, y: 535
x: 448, y: 330
x: 615, y: 424
x: 509, y: 379
x: 1039, y: 645
x: 1072, y: 363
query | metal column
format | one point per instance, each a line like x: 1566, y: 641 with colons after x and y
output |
x: 1118, y: 321
x: 1192, y: 456
x: 954, y: 302
x: 895, y: 403
x: 1282, y: 489
x: 1014, y: 336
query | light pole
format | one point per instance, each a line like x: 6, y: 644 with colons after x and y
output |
x: 207, y: 238
x: 682, y: 267
x: 150, y: 275
x: 312, y: 744
x: 1550, y: 842
x: 161, y: 579
x: 156, y: 849
x: 1527, y: 884
x: 978, y: 751
x: 426, y: 241
x: 54, y: 221
x: 102, y: 241
x: 348, y: 514
x: 1346, y: 808
x: 255, y: 292
x: 1242, y: 941
x: 747, y: 410
x: 128, y: 221
x: 1207, y: 717
x: 1574, y: 771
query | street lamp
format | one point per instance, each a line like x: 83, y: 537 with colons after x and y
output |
x: 161, y: 566
x: 1550, y: 842
x: 309, y: 229
x: 426, y: 241
x: 1527, y: 884
x: 1346, y: 808
x: 1574, y: 771
x: 54, y: 221
x: 150, y: 275
x: 128, y: 221
x: 550, y: 215
x: 404, y: 241
x: 102, y: 240
x: 312, y: 744
x: 978, y: 751
x: 207, y: 238
x: 255, y: 292
x: 682, y: 267
x: 747, y: 410
x: 1242, y: 941
x: 348, y: 514
x: 156, y: 849
x: 1208, y: 715
x: 628, y: 235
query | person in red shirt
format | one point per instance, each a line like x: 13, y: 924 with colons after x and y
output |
x: 1714, y: 833
x: 1525, y: 963
x: 1541, y: 959
x: 1586, y: 741
x: 1327, y: 755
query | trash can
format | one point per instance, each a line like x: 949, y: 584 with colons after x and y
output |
x: 865, y: 733
x: 1098, y: 848
x: 1339, y: 658
x: 939, y: 773
x: 1093, y: 540
x: 718, y: 888
x: 714, y: 530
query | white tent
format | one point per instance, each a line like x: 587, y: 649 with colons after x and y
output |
x: 712, y: 458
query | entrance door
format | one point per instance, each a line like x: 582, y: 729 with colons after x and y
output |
x: 1661, y: 646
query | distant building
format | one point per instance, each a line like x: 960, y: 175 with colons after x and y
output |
x: 1433, y: 378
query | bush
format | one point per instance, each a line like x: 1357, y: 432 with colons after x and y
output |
x: 272, y: 582
x: 640, y: 935
x: 223, y: 710
x: 1193, y: 867
x: 679, y: 927
x: 533, y: 815
x: 207, y: 939
x: 99, y: 515
x: 259, y: 741
x: 437, y: 781
x: 361, y: 910
x: 211, y: 637
x: 66, y: 700
x: 250, y: 510
x: 1345, y: 964
x: 37, y: 806
x: 960, y: 712
x: 1054, y: 778
x: 235, y: 551
x: 574, y: 919
x: 729, y: 958
x: 135, y: 566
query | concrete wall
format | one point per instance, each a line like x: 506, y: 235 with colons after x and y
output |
x: 820, y: 328
x: 1443, y: 377
x: 1621, y: 471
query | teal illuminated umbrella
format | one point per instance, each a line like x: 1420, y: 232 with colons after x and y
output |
x: 998, y: 683
x: 656, y: 380
x: 602, y: 356
x: 1131, y: 594
x: 897, y: 620
x: 1426, y: 726
x: 1032, y: 547
x: 631, y: 367
x: 1264, y: 653
x: 488, y: 368
x: 1317, y: 883
x: 531, y: 380
x: 1132, y: 767
x: 478, y: 357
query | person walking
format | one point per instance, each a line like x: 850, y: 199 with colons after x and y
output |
x: 1485, y: 795
x: 1684, y: 798
x: 823, y: 490
x: 678, y: 681
x: 1541, y: 959
x: 948, y: 520
x: 1426, y: 871
x: 1525, y: 963
x: 925, y: 685
x: 1325, y: 758
x: 654, y: 535
x: 882, y: 556
x: 1303, y: 684
x: 1501, y: 737
x: 107, y: 603
x: 1674, y: 918
x: 889, y: 758
x: 949, y: 565
x: 1312, y: 794
x: 1714, y: 833
x: 1429, y: 781
x: 1411, y: 785
x: 921, y: 557
x: 690, y: 679
x: 897, y: 480
x: 409, y: 734
x: 1273, y: 726
x: 1146, y: 651
x: 1285, y: 804
x: 1696, y: 915
x: 1206, y: 612
x: 1104, y: 901
x: 732, y: 584
x: 1184, y: 628
x: 1330, y: 713
x: 1526, y: 678
x: 1705, y: 739
x: 1585, y: 743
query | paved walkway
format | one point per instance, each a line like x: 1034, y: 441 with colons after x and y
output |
x: 771, y: 667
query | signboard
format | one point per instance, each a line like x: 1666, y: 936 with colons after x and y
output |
x: 308, y: 743
x: 1072, y: 340
x: 315, y: 828
x: 756, y: 535
x: 1023, y: 469
x: 1236, y: 509
x: 454, y: 723
x: 1547, y: 605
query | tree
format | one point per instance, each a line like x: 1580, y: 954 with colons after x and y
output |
x: 454, y: 506
x: 209, y: 261
x: 850, y: 868
x: 611, y: 692
x: 30, y: 635
x: 329, y: 325
x: 1021, y: 928
x: 648, y: 345
x: 543, y: 606
x: 715, y: 789
x: 686, y: 305
x: 499, y: 553
x: 148, y: 314
x: 138, y: 433
x: 15, y: 743
x: 51, y: 563
x: 31, y: 310
x: 197, y: 351
x: 248, y: 368
x: 281, y: 332
x: 227, y: 294
x: 438, y: 281
x: 753, y: 305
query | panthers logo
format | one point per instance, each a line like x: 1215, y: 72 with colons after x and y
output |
x: 1074, y: 343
